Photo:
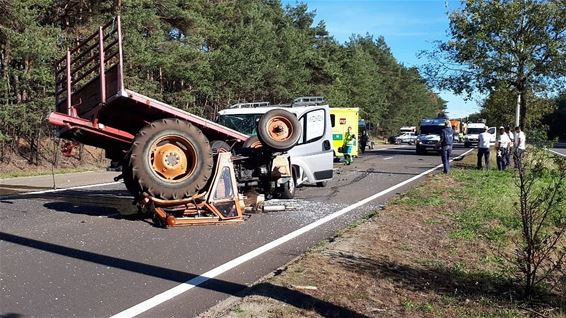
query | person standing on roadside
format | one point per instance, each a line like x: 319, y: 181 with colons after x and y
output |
x: 519, y: 145
x: 503, y: 144
x: 483, y: 149
x: 446, y: 141
x: 348, y: 145
x: 364, y: 141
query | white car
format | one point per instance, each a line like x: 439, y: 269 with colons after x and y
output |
x: 406, y: 138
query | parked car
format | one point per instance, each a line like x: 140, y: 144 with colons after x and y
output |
x: 406, y: 138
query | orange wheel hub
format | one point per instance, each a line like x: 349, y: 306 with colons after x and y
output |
x: 173, y: 158
x: 279, y: 128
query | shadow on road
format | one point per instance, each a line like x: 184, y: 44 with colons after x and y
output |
x: 11, y: 315
x: 292, y: 297
x: 110, y: 203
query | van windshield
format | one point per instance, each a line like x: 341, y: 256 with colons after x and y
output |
x: 431, y: 130
x: 244, y: 123
x: 475, y: 131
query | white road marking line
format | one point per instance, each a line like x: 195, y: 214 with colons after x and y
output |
x: 194, y: 282
x: 387, y: 158
x: 557, y: 153
x: 396, y: 147
x: 15, y: 195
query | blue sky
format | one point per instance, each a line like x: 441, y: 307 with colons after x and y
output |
x: 408, y: 26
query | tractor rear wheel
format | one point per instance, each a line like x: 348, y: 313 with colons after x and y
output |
x: 279, y: 129
x: 171, y: 159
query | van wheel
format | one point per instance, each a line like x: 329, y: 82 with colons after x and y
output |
x: 287, y: 190
x: 171, y: 159
x: 279, y: 130
x: 322, y: 184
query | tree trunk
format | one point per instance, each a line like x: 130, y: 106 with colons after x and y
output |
x: 32, y: 149
x: 523, y: 117
x: 38, y: 148
x: 2, y: 151
x: 57, y: 153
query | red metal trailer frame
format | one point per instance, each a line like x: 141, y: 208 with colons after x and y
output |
x: 93, y: 107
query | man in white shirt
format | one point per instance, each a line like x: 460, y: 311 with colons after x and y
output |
x: 503, y: 145
x: 519, y: 144
x: 483, y: 148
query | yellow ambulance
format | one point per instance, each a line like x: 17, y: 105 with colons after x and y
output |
x: 341, y: 119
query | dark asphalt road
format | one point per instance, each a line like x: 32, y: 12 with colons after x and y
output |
x: 71, y: 254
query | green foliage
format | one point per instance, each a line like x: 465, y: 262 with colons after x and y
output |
x: 514, y: 44
x: 556, y: 119
x: 499, y: 108
x: 202, y: 56
x: 541, y: 250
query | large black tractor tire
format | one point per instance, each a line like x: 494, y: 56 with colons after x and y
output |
x: 279, y: 130
x: 171, y: 159
x: 131, y: 185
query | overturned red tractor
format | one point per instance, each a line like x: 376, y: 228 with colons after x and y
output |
x: 167, y: 154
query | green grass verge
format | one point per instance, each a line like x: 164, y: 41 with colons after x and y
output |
x: 489, y: 199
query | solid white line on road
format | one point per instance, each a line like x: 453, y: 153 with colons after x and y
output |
x: 388, y: 158
x: 194, y: 282
x: 15, y: 195
x: 557, y: 153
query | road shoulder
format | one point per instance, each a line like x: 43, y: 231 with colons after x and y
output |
x: 413, y: 258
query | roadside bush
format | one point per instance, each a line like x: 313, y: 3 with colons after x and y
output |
x: 541, y: 249
x: 539, y: 137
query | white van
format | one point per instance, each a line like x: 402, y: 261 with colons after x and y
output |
x: 312, y: 157
x: 473, y: 131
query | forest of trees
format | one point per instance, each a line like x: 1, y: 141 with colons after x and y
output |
x: 202, y: 56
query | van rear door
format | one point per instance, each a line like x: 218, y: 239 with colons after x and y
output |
x: 313, y: 155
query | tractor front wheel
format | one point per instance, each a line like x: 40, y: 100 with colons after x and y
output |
x: 279, y: 130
